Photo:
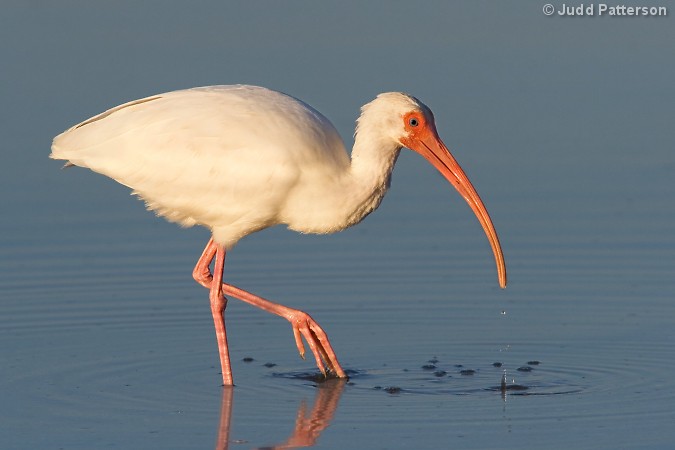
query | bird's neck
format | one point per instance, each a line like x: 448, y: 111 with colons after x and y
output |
x: 372, y: 162
x: 344, y: 198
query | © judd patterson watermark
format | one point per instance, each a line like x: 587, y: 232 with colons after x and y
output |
x: 604, y: 9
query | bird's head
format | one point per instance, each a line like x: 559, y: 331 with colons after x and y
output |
x: 411, y: 123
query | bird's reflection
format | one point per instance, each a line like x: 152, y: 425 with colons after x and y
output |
x: 223, y: 436
x: 309, y: 424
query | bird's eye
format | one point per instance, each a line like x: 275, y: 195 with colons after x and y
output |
x: 413, y: 122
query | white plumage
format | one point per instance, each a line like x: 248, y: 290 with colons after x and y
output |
x: 238, y: 159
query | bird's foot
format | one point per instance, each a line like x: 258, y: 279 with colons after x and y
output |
x: 304, y: 326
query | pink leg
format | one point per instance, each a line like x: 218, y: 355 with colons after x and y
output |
x: 303, y: 325
x: 201, y: 272
x: 218, y: 301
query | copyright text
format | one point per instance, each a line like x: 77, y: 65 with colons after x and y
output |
x: 603, y: 9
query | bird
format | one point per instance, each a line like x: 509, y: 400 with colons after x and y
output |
x: 237, y: 159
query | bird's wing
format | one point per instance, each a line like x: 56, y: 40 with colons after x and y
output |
x: 202, y: 155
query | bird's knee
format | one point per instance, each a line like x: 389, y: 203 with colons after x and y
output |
x: 202, y: 276
x: 218, y: 301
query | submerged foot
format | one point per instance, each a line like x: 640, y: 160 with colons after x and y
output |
x: 317, y: 339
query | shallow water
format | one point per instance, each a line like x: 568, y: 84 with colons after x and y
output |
x: 108, y: 342
x: 123, y: 355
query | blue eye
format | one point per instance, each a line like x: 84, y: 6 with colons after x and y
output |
x: 413, y: 122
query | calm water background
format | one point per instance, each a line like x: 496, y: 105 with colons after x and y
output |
x: 565, y: 126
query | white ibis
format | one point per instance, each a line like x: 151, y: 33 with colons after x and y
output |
x: 238, y: 159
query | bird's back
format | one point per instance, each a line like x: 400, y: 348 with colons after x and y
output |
x: 217, y: 156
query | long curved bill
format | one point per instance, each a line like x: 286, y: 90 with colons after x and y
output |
x: 434, y: 150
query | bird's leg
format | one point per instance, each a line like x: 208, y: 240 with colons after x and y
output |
x: 303, y: 325
x: 201, y: 272
x: 218, y: 301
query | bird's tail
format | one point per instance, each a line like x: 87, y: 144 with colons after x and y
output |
x: 56, y: 154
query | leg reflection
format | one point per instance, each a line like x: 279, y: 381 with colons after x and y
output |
x: 308, y: 424
x: 223, y: 439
